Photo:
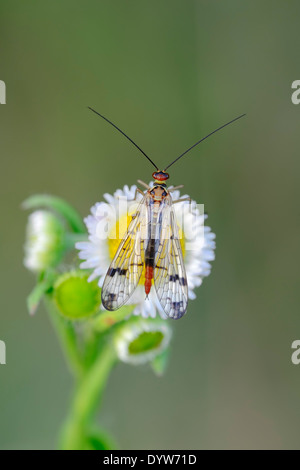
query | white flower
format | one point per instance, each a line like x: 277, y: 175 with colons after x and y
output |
x: 45, y: 241
x: 140, y: 341
x: 198, y: 244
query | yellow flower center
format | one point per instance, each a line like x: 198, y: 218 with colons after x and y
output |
x: 118, y: 231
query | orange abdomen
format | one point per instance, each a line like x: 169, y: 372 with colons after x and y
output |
x: 148, y: 279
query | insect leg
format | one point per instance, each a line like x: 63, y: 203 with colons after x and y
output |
x: 138, y: 190
x: 175, y: 187
x: 185, y: 199
x: 144, y: 184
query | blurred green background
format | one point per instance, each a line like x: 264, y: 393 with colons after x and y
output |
x: 167, y: 72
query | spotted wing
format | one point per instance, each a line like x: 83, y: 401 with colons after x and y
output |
x: 126, y: 268
x: 169, y: 272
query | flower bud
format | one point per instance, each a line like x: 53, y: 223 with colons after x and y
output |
x: 45, y: 241
x: 140, y: 340
x: 75, y: 297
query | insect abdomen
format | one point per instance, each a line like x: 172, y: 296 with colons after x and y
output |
x: 149, y: 265
x: 151, y: 249
x: 148, y: 279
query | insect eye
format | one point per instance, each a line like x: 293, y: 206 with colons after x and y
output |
x: 160, y: 175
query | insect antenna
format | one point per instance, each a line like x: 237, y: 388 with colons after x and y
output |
x: 216, y: 130
x: 116, y: 127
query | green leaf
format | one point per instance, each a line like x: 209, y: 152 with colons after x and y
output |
x: 36, y: 295
x: 160, y: 362
x: 58, y: 205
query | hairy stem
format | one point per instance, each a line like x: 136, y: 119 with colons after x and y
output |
x: 59, y: 205
x: 67, y: 336
x: 86, y: 399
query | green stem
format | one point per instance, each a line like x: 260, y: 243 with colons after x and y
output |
x: 86, y: 399
x: 67, y: 336
x: 90, y: 380
x: 59, y: 205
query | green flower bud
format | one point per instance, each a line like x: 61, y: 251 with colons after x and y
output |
x: 45, y: 241
x: 140, y: 340
x: 75, y: 297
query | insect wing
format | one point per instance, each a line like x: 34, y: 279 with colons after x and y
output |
x: 169, y: 273
x: 126, y: 268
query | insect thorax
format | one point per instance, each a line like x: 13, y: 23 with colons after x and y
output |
x: 159, y: 191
